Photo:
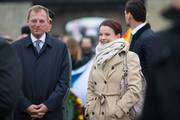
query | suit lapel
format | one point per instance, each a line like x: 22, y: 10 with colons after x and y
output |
x: 138, y: 34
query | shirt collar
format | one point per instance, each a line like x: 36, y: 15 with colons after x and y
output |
x: 42, y: 38
x: 32, y: 39
x: 137, y: 28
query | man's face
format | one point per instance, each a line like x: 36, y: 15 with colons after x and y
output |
x: 38, y: 23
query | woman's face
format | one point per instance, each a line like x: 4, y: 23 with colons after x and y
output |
x: 107, y: 34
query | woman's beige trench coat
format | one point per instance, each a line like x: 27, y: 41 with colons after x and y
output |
x: 104, y: 99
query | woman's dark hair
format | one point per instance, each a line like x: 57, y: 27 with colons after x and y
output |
x: 113, y: 24
x: 137, y: 9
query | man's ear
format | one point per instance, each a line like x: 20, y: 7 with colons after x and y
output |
x: 130, y: 16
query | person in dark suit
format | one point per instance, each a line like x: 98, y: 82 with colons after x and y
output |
x: 10, y: 80
x: 162, y: 100
x: 46, y: 66
x: 142, y: 34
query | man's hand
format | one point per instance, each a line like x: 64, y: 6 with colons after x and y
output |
x: 37, y: 111
x: 32, y: 109
x: 42, y: 110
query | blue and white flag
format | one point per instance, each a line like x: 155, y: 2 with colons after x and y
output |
x: 79, y: 81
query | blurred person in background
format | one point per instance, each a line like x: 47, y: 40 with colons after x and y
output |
x: 86, y: 44
x: 75, y: 51
x: 74, y: 107
x: 106, y: 98
x: 142, y: 34
x: 163, y: 91
x: 25, y: 31
x: 10, y: 80
x: 46, y: 70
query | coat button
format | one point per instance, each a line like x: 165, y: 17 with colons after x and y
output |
x: 92, y: 113
x: 105, y: 82
x: 112, y: 67
x: 95, y: 83
x: 120, y: 54
x: 87, y: 115
x: 95, y: 98
x: 102, y: 113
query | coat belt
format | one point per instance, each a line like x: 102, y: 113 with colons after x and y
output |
x: 102, y: 96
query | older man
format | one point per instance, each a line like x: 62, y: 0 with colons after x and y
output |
x: 46, y: 67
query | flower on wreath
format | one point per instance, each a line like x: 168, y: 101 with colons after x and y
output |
x: 78, y: 107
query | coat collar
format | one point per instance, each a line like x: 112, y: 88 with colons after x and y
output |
x: 117, y: 59
x: 138, y: 28
x: 48, y: 41
x: 138, y: 34
x: 140, y: 31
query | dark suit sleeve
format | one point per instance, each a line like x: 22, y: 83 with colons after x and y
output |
x: 57, y: 96
x: 147, y: 52
x: 10, y: 78
x: 24, y: 103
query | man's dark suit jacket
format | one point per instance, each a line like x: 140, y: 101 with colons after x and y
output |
x: 46, y: 76
x: 10, y: 80
x: 141, y: 44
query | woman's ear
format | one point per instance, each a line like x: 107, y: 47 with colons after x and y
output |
x: 118, y: 35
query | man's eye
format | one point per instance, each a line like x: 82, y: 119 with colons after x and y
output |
x: 42, y: 21
x: 33, y: 21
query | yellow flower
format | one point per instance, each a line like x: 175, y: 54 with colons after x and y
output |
x: 78, y: 100
x: 80, y: 117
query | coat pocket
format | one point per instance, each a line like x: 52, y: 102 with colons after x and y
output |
x: 111, y: 106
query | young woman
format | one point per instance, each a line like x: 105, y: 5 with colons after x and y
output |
x: 107, y: 98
